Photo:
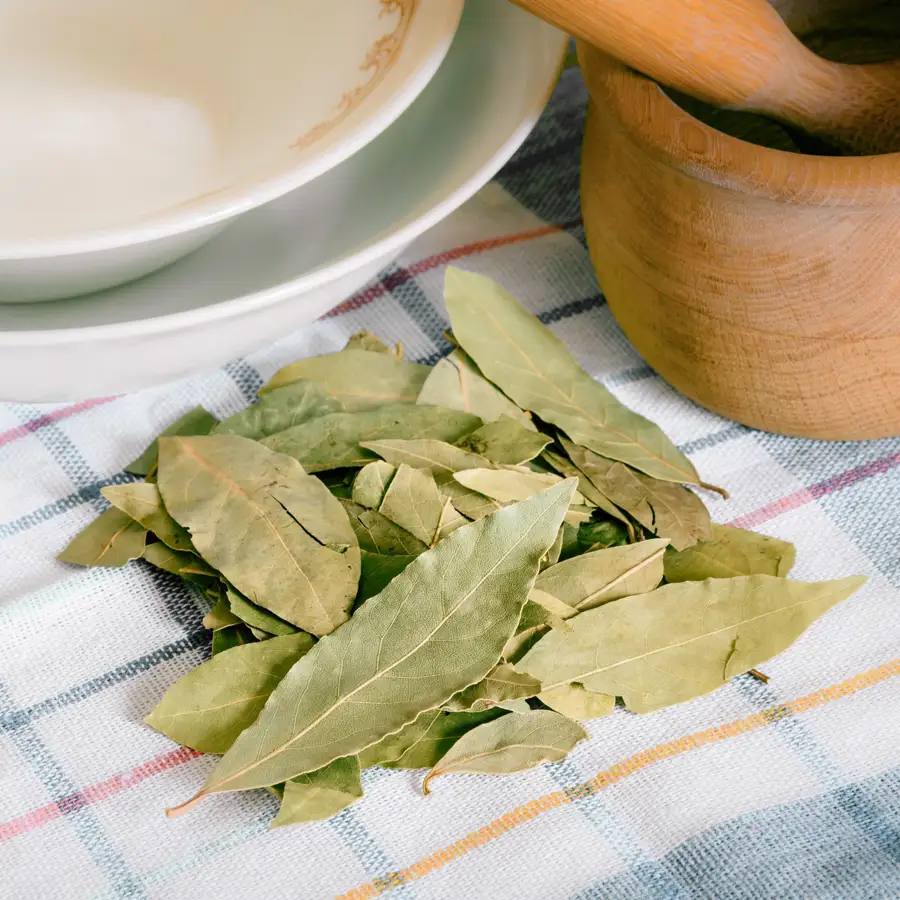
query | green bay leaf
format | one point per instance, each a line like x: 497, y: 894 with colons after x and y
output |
x: 513, y: 743
x: 231, y: 637
x: 681, y: 640
x: 321, y: 794
x: 279, y: 410
x: 456, y: 383
x: 600, y: 576
x: 466, y: 593
x: 334, y: 441
x: 377, y: 572
x: 730, y: 552
x: 210, y: 706
x: 276, y: 533
x: 506, y: 442
x: 359, y: 379
x: 535, y: 369
x: 194, y: 422
x: 111, y: 540
x: 142, y: 502
x: 255, y: 616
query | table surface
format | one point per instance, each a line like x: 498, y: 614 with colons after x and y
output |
x: 785, y: 790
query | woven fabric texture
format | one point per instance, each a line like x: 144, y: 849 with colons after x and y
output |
x: 785, y: 790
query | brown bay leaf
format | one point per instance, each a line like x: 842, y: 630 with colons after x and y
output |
x: 276, y: 533
x: 667, y: 510
x: 279, y: 410
x: 414, y: 502
x: 142, y: 502
x: 358, y: 379
x: 321, y: 794
x: 194, y: 422
x: 210, y: 706
x: 456, y: 383
x: 506, y: 442
x: 681, y: 640
x: 730, y: 552
x: 513, y: 743
x: 334, y: 441
x: 535, y: 369
x: 600, y: 576
x: 467, y: 592
x: 112, y: 540
x: 371, y: 483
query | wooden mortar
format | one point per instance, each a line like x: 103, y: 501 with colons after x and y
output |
x: 761, y: 283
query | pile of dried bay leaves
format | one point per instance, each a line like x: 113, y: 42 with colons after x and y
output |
x: 439, y: 568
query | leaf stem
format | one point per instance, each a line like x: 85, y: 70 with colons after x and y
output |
x: 759, y: 676
x: 714, y: 488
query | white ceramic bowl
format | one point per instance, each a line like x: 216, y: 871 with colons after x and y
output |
x: 133, y: 131
x: 285, y: 264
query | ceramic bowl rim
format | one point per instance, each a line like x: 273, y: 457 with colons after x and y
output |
x: 658, y: 125
x: 231, y: 202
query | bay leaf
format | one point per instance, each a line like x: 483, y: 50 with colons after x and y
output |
x: 534, y: 623
x: 376, y: 534
x: 255, y: 616
x: 274, y: 532
x: 551, y: 604
x: 600, y: 576
x: 359, y: 379
x: 500, y: 685
x: 414, y: 502
x: 259, y: 634
x: 333, y: 441
x: 570, y: 546
x: 194, y: 422
x: 553, y: 554
x: 450, y: 520
x: 371, y: 483
x: 112, y: 540
x: 681, y: 640
x: 320, y: 795
x: 210, y: 706
x: 220, y: 616
x: 667, y: 510
x: 186, y: 565
x: 456, y: 383
x: 279, y: 410
x: 535, y: 369
x: 506, y: 442
x: 365, y: 340
x: 509, y: 485
x: 377, y: 572
x: 343, y: 696
x: 424, y: 741
x: 576, y: 702
x: 602, y: 534
x: 513, y: 743
x: 730, y: 552
x: 231, y: 637
x: 142, y: 502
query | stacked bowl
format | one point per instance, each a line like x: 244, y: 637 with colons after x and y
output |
x: 185, y: 181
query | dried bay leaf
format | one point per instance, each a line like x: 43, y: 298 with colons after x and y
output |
x: 321, y: 794
x: 681, y: 640
x: 220, y: 616
x: 424, y: 741
x: 231, y: 637
x: 456, y: 383
x: 414, y: 502
x: 112, y: 540
x: 365, y: 340
x: 376, y: 534
x: 142, y: 502
x: 274, y: 532
x: 513, y: 743
x: 343, y: 695
x: 506, y: 442
x: 371, y: 483
x: 667, y: 510
x: 535, y: 369
x: 186, y: 565
x: 509, y: 485
x: 195, y: 422
x: 730, y: 552
x: 602, y: 534
x: 210, y: 706
x: 377, y: 572
x: 279, y: 410
x: 333, y: 441
x: 551, y: 604
x: 255, y: 617
x: 600, y: 576
x: 359, y: 379
x: 501, y: 685
x: 534, y: 623
x: 576, y: 702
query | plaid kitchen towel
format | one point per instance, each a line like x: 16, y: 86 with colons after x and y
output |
x: 785, y: 790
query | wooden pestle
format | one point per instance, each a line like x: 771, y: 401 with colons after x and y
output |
x: 739, y: 54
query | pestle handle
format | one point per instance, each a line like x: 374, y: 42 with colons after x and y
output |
x: 740, y: 54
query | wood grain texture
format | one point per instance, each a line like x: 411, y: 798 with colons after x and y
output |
x: 740, y: 54
x: 761, y: 283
